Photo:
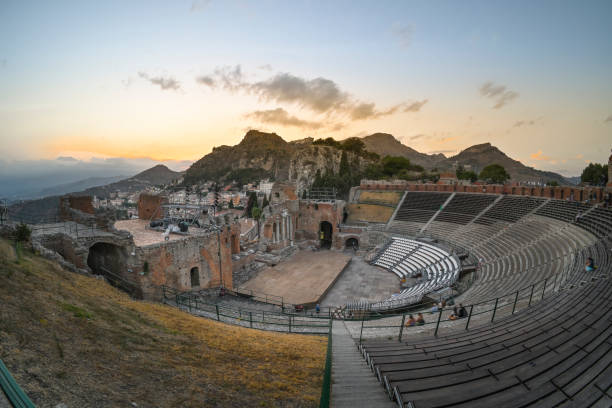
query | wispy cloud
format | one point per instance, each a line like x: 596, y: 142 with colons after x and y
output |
x: 415, y: 106
x: 206, y: 80
x: 499, y: 93
x: 526, y: 122
x: 199, y: 5
x: 540, y: 156
x: 318, y: 95
x: 419, y: 136
x: 608, y: 119
x: 279, y: 116
x: 227, y: 77
x: 403, y: 33
x: 165, y: 83
x: 265, y: 67
x: 126, y: 83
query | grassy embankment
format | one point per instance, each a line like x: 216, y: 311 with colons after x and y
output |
x: 75, y: 339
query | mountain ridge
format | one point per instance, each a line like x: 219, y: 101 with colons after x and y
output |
x: 282, y: 160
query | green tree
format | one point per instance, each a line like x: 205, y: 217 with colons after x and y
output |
x: 374, y: 171
x: 22, y: 233
x: 463, y: 174
x: 265, y: 202
x: 353, y: 144
x: 494, y: 173
x: 344, y: 165
x: 251, y: 202
x: 393, y: 165
x: 231, y: 203
x: 552, y: 183
x: 595, y: 174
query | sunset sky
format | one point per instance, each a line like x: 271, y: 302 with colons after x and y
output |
x: 169, y: 80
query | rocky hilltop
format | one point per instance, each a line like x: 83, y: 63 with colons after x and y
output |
x: 385, y: 144
x: 267, y: 155
x: 481, y: 155
x: 156, y: 175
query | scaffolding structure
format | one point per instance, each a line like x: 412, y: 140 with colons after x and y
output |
x: 321, y: 194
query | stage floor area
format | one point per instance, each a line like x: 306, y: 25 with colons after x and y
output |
x: 301, y: 279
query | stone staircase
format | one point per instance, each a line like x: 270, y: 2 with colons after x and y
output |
x: 353, y: 383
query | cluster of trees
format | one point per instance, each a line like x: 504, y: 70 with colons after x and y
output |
x: 494, y: 174
x: 246, y: 175
x: 349, y: 175
x: 463, y: 174
x: 252, y: 209
x: 352, y: 144
x: 595, y: 174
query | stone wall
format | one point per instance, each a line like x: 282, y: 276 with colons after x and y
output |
x: 80, y: 203
x: 310, y: 216
x: 149, y: 206
x: 170, y: 263
x: 594, y: 194
x: 67, y: 247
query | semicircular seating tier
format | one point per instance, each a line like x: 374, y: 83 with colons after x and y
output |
x: 435, y: 268
x: 515, y: 240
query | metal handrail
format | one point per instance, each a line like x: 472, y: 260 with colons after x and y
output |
x: 16, y: 396
x: 325, y: 399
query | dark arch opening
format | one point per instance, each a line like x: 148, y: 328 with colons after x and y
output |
x: 325, y: 234
x: 110, y: 261
x: 352, y: 243
x: 194, y: 275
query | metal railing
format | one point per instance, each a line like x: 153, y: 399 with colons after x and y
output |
x: 325, y: 400
x: 503, y: 306
x: 15, y: 395
x: 252, y: 318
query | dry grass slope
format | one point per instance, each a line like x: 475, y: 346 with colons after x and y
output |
x: 75, y: 339
x: 385, y: 197
x: 369, y: 213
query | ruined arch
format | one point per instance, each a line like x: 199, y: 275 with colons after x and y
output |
x: 110, y: 261
x: 326, y: 231
x: 104, y: 258
x: 194, y: 276
x: 352, y: 243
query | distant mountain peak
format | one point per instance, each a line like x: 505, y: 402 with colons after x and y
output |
x: 254, y: 136
x: 479, y: 148
x: 158, y: 174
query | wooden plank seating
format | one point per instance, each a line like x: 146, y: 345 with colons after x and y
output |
x: 510, y: 208
x: 464, y: 207
x: 556, y: 352
x: 420, y: 206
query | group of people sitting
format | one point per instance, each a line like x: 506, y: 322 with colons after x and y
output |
x: 458, y: 313
x: 419, y: 321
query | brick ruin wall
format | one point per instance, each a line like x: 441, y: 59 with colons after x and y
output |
x: 170, y: 263
x: 595, y: 194
x: 149, y: 206
x: 310, y: 216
